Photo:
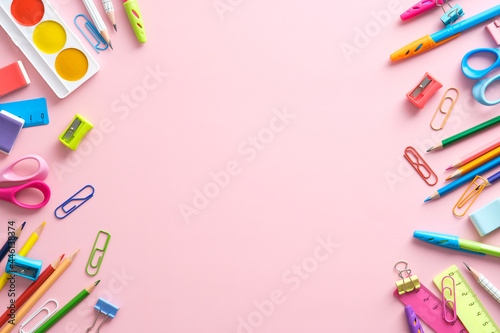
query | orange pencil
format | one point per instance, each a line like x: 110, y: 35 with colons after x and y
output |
x: 475, y: 163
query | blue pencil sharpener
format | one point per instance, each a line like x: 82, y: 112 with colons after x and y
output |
x: 19, y: 265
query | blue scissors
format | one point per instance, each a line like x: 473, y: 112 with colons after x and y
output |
x: 480, y: 86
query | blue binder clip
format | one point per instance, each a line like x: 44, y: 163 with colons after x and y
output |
x: 452, y: 15
x: 93, y: 31
x: 19, y: 265
x: 106, y: 308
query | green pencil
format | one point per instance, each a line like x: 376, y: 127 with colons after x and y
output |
x: 465, y: 133
x: 67, y: 308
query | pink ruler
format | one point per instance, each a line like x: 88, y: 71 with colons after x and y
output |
x: 429, y: 308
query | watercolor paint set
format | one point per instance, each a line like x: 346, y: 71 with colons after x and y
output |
x: 45, y: 39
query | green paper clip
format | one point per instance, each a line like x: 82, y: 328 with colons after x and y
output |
x: 90, y: 263
x: 75, y: 132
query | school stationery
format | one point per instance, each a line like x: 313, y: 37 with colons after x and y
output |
x: 483, y: 282
x: 13, y: 77
x: 462, y: 180
x: 8, y: 175
x: 421, y: 166
x: 24, y: 251
x: 75, y: 132
x: 90, y: 263
x: 32, y: 111
x: 447, y: 113
x: 11, y: 241
x: 475, y: 154
x: 97, y: 19
x: 135, y: 18
x: 455, y: 243
x: 412, y: 320
x: 407, y: 283
x: 39, y: 293
x: 479, y: 88
x: 420, y: 8
x: 45, y: 39
x: 487, y: 218
x: 475, y: 163
x: 97, y: 37
x: 109, y: 310
x: 427, y: 87
x: 67, y: 308
x: 452, y: 15
x: 466, y: 133
x: 471, y: 193
x: 30, y: 290
x: 22, y: 266
x: 110, y: 12
x: 428, y: 42
x: 448, y: 287
x: 471, y: 312
x: 44, y: 307
x: 78, y: 198
x: 10, y: 127
x: 494, y: 30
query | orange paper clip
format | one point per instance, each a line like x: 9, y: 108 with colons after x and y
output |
x: 418, y: 163
x: 471, y: 193
x: 446, y: 301
x: 447, y: 113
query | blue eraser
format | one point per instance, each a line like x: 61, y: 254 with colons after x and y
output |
x: 487, y: 218
x: 10, y: 126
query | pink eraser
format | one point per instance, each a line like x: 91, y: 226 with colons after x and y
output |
x: 13, y: 77
x: 494, y: 30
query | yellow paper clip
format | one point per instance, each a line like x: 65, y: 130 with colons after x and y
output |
x: 471, y: 193
x: 452, y: 304
x: 440, y: 108
x: 401, y: 284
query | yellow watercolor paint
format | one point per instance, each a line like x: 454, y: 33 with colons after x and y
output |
x: 72, y: 64
x: 49, y: 37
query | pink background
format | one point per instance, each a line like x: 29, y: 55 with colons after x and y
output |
x: 320, y: 176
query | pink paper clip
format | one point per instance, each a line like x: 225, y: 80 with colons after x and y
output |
x: 448, y: 301
x: 420, y: 8
x: 418, y: 163
x: 494, y: 30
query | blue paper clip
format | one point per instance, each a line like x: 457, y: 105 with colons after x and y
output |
x: 72, y: 209
x: 106, y: 308
x: 93, y: 30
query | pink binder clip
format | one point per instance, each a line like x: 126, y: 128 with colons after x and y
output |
x: 494, y: 30
x: 420, y: 8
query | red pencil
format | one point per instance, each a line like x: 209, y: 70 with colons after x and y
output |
x: 13, y: 307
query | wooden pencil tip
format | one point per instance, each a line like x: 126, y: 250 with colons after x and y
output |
x: 60, y: 258
x: 22, y: 225
x: 467, y: 266
x: 114, y: 26
x: 38, y: 230
x: 430, y: 149
x: 73, y: 255
x: 428, y: 199
x: 450, y: 167
x: 449, y: 177
x: 97, y: 282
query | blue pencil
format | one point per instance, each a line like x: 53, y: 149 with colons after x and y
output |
x: 463, y: 180
x: 11, y: 241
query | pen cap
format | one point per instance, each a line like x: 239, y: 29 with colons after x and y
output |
x: 135, y: 18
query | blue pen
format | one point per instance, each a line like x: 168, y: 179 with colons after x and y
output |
x: 456, y: 243
x: 465, y: 179
x: 440, y: 37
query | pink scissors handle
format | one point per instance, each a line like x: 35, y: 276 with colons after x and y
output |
x: 7, y: 174
x: 9, y: 194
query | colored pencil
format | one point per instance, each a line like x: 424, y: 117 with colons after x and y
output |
x: 464, y: 134
x: 30, y: 290
x: 462, y: 180
x: 110, y: 12
x: 475, y: 154
x: 39, y: 293
x: 483, y: 282
x: 67, y: 308
x: 475, y: 163
x: 97, y: 19
x: 11, y: 241
x: 24, y: 251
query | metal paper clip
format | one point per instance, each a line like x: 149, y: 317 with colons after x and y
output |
x: 44, y: 319
x: 93, y: 30
x: 401, y: 285
x: 419, y: 163
x: 447, y: 301
x: 471, y: 193
x: 440, y: 109
x: 74, y: 198
x: 90, y: 263
x: 106, y: 308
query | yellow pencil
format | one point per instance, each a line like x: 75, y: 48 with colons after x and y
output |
x: 475, y: 163
x: 24, y: 251
x: 39, y: 293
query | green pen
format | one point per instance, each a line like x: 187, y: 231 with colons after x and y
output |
x: 135, y: 18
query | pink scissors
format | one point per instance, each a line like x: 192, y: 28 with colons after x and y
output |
x: 8, y: 175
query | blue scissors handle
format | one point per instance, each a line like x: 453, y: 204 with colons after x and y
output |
x: 472, y: 73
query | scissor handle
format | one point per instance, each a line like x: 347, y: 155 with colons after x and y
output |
x: 9, y: 194
x: 7, y: 174
x: 472, y: 73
